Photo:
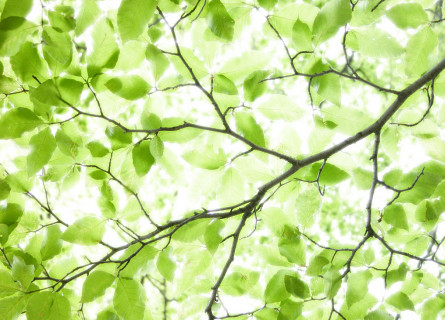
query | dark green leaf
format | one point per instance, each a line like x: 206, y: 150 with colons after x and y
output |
x: 296, y: 287
x: 97, y: 149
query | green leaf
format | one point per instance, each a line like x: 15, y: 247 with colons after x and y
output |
x: 316, y: 265
x: 378, y: 315
x: 249, y: 128
x: 432, y: 307
x: 332, y: 282
x: 296, y: 287
x: 291, y: 246
x: 66, y: 144
x: 307, y: 206
x: 332, y: 16
x: 207, y: 158
x: 219, y: 20
x: 14, y: 32
x: 222, y: 84
x: 57, y: 48
x: 49, y: 306
x: 118, y: 137
x: 395, y: 215
x: 138, y: 261
x: 290, y: 310
x: 301, y: 36
x: 267, y: 4
x: 42, y: 146
x: 231, y: 189
x: 192, y: 231
x: 158, y: 61
x: 129, y: 299
x: 52, y: 244
x: 22, y: 272
x: 276, y: 288
x: 7, y: 85
x: 401, y: 301
x: 252, y: 86
x: 28, y: 62
x: 150, y: 121
x: 396, y: 275
x: 10, y: 214
x: 97, y: 149
x: 156, y: 148
x: 15, y: 122
x: 362, y: 178
x: 128, y: 87
x: 166, y: 266
x: 280, y: 107
x: 85, y: 231
x: 239, y: 282
x: 331, y: 175
x: 420, y: 52
x: 357, y: 286
x: 4, y: 189
x: 142, y: 158
x: 62, y: 18
x: 105, y: 51
x: 212, y: 235
x: 328, y: 87
x: 12, y: 306
x: 133, y: 17
x: 95, y: 285
x: 47, y: 93
x: 89, y: 12
x: 372, y: 42
x: 11, y: 9
x: 407, y: 15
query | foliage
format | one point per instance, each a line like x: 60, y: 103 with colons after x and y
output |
x: 161, y: 159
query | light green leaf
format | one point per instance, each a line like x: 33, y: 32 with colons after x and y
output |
x: 22, y: 272
x: 219, y: 20
x: 62, y: 18
x: 11, y: 9
x: 395, y: 215
x: 156, y: 148
x: 7, y: 284
x: 252, y: 86
x: 42, y: 146
x: 142, y: 158
x: 27, y: 63
x: 316, y: 265
x: 231, y: 189
x: 249, y: 128
x: 307, y: 206
x: 118, y: 137
x: 280, y: 107
x: 129, y: 299
x: 15, y: 122
x: 47, y: 93
x: 301, y: 36
x: 378, y: 315
x: 49, y: 306
x: 97, y: 149
x: 290, y: 310
x: 57, y: 47
x: 7, y: 85
x: 276, y: 288
x: 166, y: 266
x: 357, y: 286
x: 85, y: 231
x: 267, y: 4
x: 138, y: 261
x: 222, y: 84
x: 432, y: 307
x: 133, y: 17
x: 158, y: 61
x: 407, y: 15
x: 332, y: 282
x: 331, y: 175
x: 66, y: 144
x: 11, y: 307
x: 372, y: 42
x: 396, y: 275
x: 52, y: 244
x: 95, y: 285
x: 191, y: 231
x: 207, y: 158
x: 328, y: 87
x: 212, y: 235
x: 421, y: 52
x: 128, y: 87
x: 105, y: 51
x: 291, y: 246
x: 401, y: 301
x: 89, y: 12
x: 13, y: 33
x: 332, y: 16
x: 150, y: 121
x: 239, y: 282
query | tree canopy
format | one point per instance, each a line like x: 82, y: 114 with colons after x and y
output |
x: 216, y: 159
